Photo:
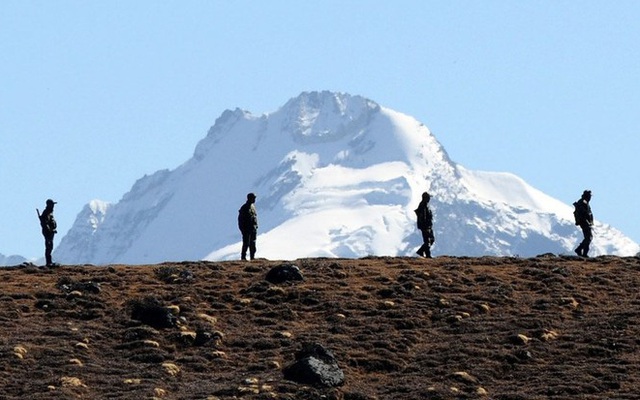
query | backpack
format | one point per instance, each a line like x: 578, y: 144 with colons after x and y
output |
x: 576, y: 213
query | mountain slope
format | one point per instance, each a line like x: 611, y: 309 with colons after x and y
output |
x: 337, y: 176
x: 400, y: 328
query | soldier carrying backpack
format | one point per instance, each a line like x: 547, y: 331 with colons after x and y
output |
x: 584, y: 219
x: 248, y: 224
x: 425, y: 225
x: 49, y: 229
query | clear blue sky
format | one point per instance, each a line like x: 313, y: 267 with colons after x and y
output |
x: 96, y: 94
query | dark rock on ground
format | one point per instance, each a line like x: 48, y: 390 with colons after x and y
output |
x: 151, y: 312
x: 284, y: 273
x: 315, y: 365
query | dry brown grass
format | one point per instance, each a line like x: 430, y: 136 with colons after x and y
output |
x: 400, y: 328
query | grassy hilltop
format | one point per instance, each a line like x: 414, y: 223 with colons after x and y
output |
x: 400, y: 328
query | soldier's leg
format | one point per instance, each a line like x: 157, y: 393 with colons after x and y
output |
x: 588, y: 236
x: 583, y: 248
x: 252, y: 244
x: 424, y: 249
x: 245, y: 245
x: 48, y: 249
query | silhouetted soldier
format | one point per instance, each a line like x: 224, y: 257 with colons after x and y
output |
x: 248, y: 224
x: 49, y: 226
x: 584, y: 218
x: 425, y: 224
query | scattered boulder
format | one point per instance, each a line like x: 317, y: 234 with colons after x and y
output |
x: 465, y: 377
x: 546, y: 255
x: 201, y: 336
x: 172, y: 274
x: 27, y: 264
x: 68, y: 285
x: 284, y: 273
x: 204, y: 337
x: 139, y: 333
x: 150, y: 312
x: 519, y: 339
x: 315, y: 365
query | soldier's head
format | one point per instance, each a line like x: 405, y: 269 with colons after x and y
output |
x: 50, y: 203
x: 251, y: 198
x: 426, y: 196
x: 586, y: 195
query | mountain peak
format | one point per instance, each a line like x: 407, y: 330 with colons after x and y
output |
x: 317, y: 117
x: 336, y: 176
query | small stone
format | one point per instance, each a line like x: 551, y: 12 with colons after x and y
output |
x: 519, y: 339
x: 484, y: 307
x: 173, y: 309
x: 218, y: 354
x: 208, y: 318
x: 171, y: 369
x: 276, y: 290
x: 569, y: 301
x: 465, y: 377
x: 20, y: 351
x: 549, y: 335
x: 248, y: 390
x: 274, y: 364
x: 69, y: 381
x: 188, y: 335
x: 456, y: 318
x: 251, y: 381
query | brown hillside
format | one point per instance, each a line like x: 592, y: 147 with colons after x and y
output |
x: 400, y: 328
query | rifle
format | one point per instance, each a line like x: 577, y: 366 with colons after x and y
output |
x: 39, y: 217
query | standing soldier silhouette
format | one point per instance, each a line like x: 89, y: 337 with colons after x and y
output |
x: 425, y: 224
x: 49, y: 226
x: 248, y: 224
x: 584, y: 219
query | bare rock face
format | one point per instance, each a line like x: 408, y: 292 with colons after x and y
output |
x: 315, y: 365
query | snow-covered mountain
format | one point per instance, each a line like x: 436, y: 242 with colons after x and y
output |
x: 336, y: 176
x: 11, y: 260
